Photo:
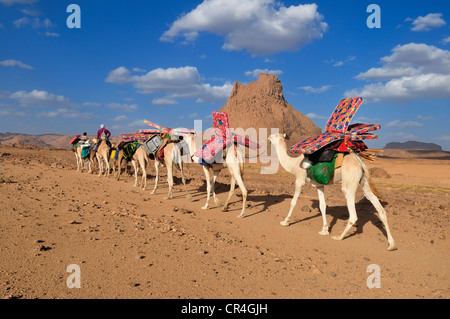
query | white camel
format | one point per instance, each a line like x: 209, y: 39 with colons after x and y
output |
x: 81, y: 162
x: 353, y: 172
x: 234, y: 161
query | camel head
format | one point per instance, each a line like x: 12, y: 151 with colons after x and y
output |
x: 190, y: 140
x: 276, y: 138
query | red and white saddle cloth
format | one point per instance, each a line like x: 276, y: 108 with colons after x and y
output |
x: 338, y: 128
x: 222, y: 138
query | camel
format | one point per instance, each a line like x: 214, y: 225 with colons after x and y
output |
x: 234, y: 161
x: 174, y: 159
x: 102, y: 155
x: 353, y: 172
x: 141, y: 159
x: 81, y: 162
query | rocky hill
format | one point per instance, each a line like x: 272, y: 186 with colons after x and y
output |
x: 413, y: 145
x: 261, y: 104
x: 52, y: 141
x: 55, y: 141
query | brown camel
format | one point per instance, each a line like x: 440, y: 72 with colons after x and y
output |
x: 102, y: 155
x: 141, y: 159
x: 171, y: 159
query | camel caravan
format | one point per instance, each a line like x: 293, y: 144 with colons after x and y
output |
x: 334, y: 157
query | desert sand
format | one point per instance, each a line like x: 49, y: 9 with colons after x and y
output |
x: 130, y: 244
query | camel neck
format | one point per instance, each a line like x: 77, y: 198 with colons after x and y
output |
x: 285, y: 160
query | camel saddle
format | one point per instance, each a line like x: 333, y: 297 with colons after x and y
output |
x: 159, y: 154
x: 338, y: 129
x: 222, y: 138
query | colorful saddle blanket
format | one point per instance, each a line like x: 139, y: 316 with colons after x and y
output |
x: 222, y: 138
x: 338, y: 128
x: 85, y: 151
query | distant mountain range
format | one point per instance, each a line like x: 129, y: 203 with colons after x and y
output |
x: 54, y: 141
x: 413, y: 145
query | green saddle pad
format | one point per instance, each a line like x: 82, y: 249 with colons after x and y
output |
x: 322, y: 172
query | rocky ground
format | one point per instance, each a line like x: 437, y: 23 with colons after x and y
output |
x: 130, y: 244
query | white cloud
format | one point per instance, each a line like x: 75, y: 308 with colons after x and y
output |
x: 341, y: 63
x: 95, y: 104
x: 425, y: 118
x: 261, y: 27
x: 428, y: 22
x: 10, y: 112
x: 446, y: 40
x: 400, y: 124
x: 310, y: 89
x: 413, y: 71
x: 120, y: 118
x: 35, y: 23
x: 183, y: 82
x: 31, y: 12
x: 255, y: 73
x: 41, y: 98
x: 120, y: 75
x: 314, y: 116
x: 403, y: 137
x: 123, y: 107
x: 445, y: 138
x: 65, y: 113
x: 10, y: 2
x: 13, y: 63
x: 139, y: 70
x: 129, y: 126
x: 164, y: 101
x: 52, y: 34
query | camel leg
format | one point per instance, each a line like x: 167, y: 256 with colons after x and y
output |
x: 188, y: 196
x: 376, y: 203
x: 230, y: 194
x: 78, y: 164
x: 133, y: 162
x: 119, y: 168
x: 144, y: 174
x: 216, y: 199
x: 208, y: 186
x: 119, y: 164
x: 107, y: 166
x: 100, y: 166
x: 157, y: 177
x: 298, y: 188
x: 170, y: 181
x: 244, y: 193
x: 349, y: 190
x: 90, y: 166
x: 323, y: 207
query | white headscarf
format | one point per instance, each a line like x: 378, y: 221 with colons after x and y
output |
x: 102, y: 126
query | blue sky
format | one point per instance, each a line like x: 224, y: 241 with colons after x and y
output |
x: 171, y: 62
